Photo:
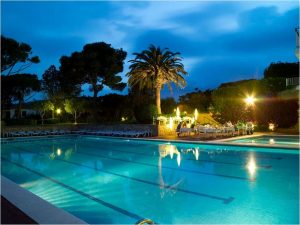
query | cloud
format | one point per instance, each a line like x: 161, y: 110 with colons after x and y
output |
x: 219, y: 41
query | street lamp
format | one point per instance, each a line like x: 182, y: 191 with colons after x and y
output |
x: 58, y: 111
x: 250, y: 100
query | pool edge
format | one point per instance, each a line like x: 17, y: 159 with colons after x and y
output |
x: 35, y: 207
x: 211, y: 142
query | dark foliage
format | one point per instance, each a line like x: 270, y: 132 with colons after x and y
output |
x: 168, y: 105
x: 14, y: 53
x: 97, y: 64
x: 282, y: 112
x: 22, y: 121
x: 17, y: 87
x: 280, y: 69
x: 145, y: 113
x: 196, y: 100
x: 57, y: 87
x: 235, y: 83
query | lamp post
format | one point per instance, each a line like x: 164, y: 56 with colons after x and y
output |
x: 196, y: 115
x: 250, y: 100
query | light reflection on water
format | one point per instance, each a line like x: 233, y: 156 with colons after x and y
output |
x: 251, y: 166
x: 110, y: 187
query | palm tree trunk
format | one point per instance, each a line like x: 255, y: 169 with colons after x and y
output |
x: 157, y: 96
x: 75, y: 116
x: 95, y: 94
x: 19, y: 115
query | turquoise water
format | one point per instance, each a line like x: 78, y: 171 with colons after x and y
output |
x: 292, y: 141
x: 103, y: 180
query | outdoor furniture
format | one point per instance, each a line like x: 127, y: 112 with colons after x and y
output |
x: 185, y: 130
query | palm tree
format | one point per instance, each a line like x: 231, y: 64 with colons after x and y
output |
x: 155, y: 67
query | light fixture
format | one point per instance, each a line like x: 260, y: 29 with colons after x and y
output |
x: 171, y: 123
x: 250, y: 100
x: 271, y: 126
x: 58, y: 151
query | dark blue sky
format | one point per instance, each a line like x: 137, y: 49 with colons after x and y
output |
x: 219, y: 41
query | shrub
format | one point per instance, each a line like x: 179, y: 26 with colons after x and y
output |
x: 51, y: 121
x: 145, y: 113
x: 22, y: 121
x: 282, y: 112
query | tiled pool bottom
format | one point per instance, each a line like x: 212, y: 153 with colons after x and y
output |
x: 102, y: 180
x: 271, y: 140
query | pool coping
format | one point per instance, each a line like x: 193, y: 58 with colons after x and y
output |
x: 210, y: 142
x: 225, y: 141
x: 221, y: 142
x: 35, y: 207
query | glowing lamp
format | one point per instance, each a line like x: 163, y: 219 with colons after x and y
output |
x: 58, y: 111
x: 196, y: 114
x: 171, y: 123
x: 271, y: 126
x: 177, y: 112
x: 58, y: 151
x: 250, y: 100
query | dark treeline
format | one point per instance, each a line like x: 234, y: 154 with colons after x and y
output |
x: 99, y: 65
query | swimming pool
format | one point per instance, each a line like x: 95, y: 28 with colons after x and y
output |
x: 286, y: 140
x: 109, y: 180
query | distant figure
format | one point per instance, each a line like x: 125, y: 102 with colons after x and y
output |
x: 178, y: 128
x: 249, y: 128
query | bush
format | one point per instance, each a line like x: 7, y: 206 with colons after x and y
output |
x: 282, y: 112
x: 51, y: 121
x: 23, y: 121
x: 261, y: 128
x: 145, y: 113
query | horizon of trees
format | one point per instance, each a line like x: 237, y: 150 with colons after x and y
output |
x: 99, y: 64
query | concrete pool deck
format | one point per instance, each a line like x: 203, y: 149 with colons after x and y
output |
x: 31, y: 208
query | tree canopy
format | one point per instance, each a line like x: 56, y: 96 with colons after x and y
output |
x: 196, y: 100
x: 56, y: 87
x: 14, y: 53
x: 74, y: 106
x: 97, y: 64
x: 155, y: 67
x: 19, y: 86
x: 280, y: 69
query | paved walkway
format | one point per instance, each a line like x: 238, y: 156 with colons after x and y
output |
x: 10, y: 214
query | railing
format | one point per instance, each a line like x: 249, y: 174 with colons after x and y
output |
x: 292, y: 81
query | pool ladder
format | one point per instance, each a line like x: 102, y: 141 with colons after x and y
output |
x: 145, y: 221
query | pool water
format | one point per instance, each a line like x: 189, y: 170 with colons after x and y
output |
x: 106, y: 180
x: 292, y: 141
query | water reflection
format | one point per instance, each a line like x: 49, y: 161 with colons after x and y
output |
x: 172, y: 178
x: 165, y: 150
x: 178, y: 159
x: 58, y: 152
x: 251, y: 166
x: 194, y: 151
